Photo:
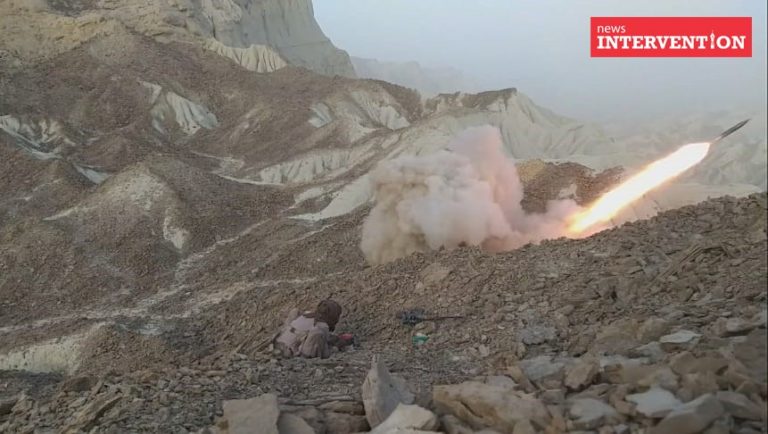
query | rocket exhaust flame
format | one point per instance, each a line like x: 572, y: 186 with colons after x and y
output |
x: 651, y: 177
x: 471, y: 194
x: 654, y: 175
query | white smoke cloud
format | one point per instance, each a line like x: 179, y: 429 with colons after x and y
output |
x: 468, y: 194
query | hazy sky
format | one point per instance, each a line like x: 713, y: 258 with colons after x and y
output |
x: 542, y: 48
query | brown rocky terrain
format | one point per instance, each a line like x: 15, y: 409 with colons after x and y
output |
x: 674, y: 305
x: 163, y: 205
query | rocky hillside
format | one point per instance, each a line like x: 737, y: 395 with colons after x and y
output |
x: 130, y: 169
x: 659, y: 323
x: 162, y: 206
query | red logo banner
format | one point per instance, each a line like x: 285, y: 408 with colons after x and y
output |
x: 671, y: 36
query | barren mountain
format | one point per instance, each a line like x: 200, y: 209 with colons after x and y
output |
x: 428, y: 81
x: 177, y: 175
x: 237, y: 29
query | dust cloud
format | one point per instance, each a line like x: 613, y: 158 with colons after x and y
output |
x: 468, y: 194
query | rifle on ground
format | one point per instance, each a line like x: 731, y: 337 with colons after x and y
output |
x: 414, y: 316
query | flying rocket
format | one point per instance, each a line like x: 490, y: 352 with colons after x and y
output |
x: 729, y: 131
x: 652, y: 176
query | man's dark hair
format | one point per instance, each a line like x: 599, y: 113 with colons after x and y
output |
x: 329, y: 312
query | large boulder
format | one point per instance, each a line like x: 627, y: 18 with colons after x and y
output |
x: 408, y: 417
x: 486, y: 406
x: 252, y: 416
x: 382, y: 393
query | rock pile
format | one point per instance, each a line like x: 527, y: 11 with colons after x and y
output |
x: 700, y: 383
x: 655, y: 327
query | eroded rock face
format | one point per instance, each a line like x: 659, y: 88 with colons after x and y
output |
x: 287, y: 26
x: 260, y: 35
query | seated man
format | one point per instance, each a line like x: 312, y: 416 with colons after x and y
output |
x: 309, y: 335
